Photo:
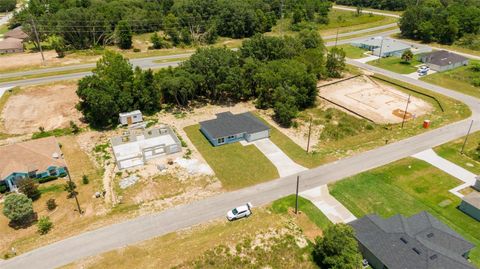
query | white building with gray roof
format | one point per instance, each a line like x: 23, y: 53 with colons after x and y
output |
x: 386, y: 47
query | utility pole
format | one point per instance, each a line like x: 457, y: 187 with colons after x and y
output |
x: 74, y: 193
x: 336, y: 38
x: 466, y: 137
x: 381, y: 47
x: 34, y: 28
x: 296, y: 195
x: 309, y: 134
x: 406, y: 109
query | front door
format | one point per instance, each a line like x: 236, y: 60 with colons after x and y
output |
x: 129, y: 120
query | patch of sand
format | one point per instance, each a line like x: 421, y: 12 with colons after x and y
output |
x: 378, y: 102
x: 48, y: 106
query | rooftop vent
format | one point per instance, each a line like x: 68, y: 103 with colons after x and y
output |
x: 430, y: 235
x: 417, y: 251
x: 403, y: 240
x: 433, y: 257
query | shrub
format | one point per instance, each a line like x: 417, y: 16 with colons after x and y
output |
x: 74, y: 127
x: 51, y: 204
x: 85, y: 180
x: 17, y: 207
x: 3, y: 189
x: 136, y: 50
x: 70, y: 187
x: 476, y: 82
x: 29, y: 187
x: 44, y: 225
x: 46, y: 179
x: 338, y: 248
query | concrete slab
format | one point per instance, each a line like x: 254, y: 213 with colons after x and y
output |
x: 284, y: 164
x: 367, y: 59
x: 329, y: 206
x: 448, y: 167
x: 415, y: 74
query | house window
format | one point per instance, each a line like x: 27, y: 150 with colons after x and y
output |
x: 231, y: 137
x: 221, y: 140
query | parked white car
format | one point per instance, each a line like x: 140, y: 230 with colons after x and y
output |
x: 240, y: 212
x: 423, y: 69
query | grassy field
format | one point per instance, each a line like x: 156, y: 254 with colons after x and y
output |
x: 407, y: 187
x: 210, y: 245
x: 470, y: 160
x: 458, y: 79
x: 353, y: 52
x: 235, y: 165
x: 397, y: 65
x: 282, y: 206
x: 355, y: 135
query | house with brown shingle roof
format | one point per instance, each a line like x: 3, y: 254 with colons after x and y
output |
x: 11, y: 45
x: 40, y: 158
x: 17, y: 33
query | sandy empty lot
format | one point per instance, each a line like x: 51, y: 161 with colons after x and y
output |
x: 47, y: 106
x: 379, y: 102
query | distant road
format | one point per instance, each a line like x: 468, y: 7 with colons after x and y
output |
x: 143, y: 63
x: 146, y: 227
x: 367, y: 11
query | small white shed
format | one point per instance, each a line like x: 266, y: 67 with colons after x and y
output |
x: 132, y: 117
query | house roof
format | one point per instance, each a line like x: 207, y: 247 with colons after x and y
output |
x: 443, y: 58
x: 16, y: 33
x: 388, y: 44
x: 29, y: 156
x: 227, y: 124
x: 473, y: 199
x: 11, y: 43
x: 131, y: 113
x: 420, y: 241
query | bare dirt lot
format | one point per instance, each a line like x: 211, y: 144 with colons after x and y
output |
x: 376, y: 101
x: 47, y: 106
x: 19, y: 61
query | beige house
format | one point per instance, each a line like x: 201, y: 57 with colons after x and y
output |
x: 11, y: 45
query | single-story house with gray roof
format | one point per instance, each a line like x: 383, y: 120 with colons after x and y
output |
x: 443, y: 60
x: 229, y: 128
x: 470, y: 205
x: 420, y: 241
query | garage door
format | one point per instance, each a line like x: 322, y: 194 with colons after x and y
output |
x: 259, y: 135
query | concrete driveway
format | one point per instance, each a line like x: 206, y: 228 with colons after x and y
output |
x: 367, y: 59
x: 284, y: 164
x: 330, y: 207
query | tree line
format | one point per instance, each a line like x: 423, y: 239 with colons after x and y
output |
x: 7, y: 5
x: 441, y: 21
x: 84, y: 23
x: 277, y: 72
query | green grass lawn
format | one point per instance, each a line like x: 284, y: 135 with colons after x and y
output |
x: 395, y: 64
x: 470, y: 160
x: 353, y: 52
x: 407, y: 187
x: 282, y: 205
x: 458, y: 79
x: 235, y: 165
x: 355, y: 135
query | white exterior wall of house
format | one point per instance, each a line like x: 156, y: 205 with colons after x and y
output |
x: 130, y: 117
x: 257, y: 136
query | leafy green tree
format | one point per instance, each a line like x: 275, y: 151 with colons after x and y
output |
x: 145, y: 94
x: 176, y: 86
x: 285, y: 107
x: 7, y: 5
x: 107, y: 92
x: 311, y: 39
x: 70, y: 187
x: 171, y: 23
x: 268, y: 48
x: 29, y: 187
x: 58, y: 44
x: 123, y: 33
x: 44, y: 225
x: 18, y: 207
x: 158, y: 42
x: 335, y: 62
x: 407, y: 56
x: 338, y: 248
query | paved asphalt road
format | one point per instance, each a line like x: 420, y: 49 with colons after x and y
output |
x: 150, y: 226
x: 367, y: 11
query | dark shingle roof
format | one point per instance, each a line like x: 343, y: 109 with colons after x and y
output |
x: 420, y: 241
x: 443, y: 58
x: 227, y: 124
